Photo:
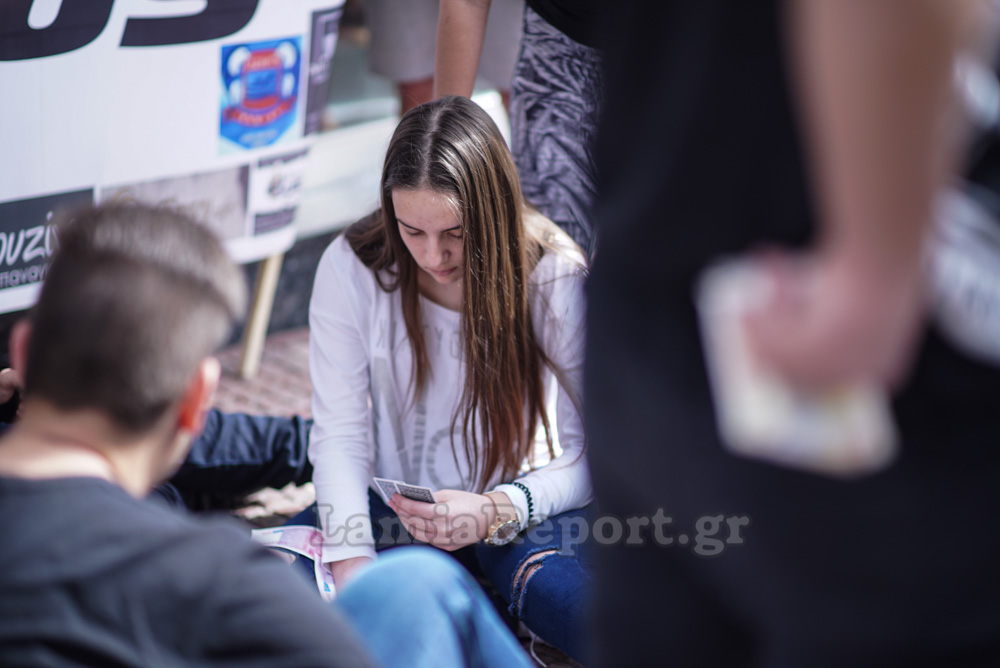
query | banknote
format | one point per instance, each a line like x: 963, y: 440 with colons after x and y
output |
x: 298, y: 539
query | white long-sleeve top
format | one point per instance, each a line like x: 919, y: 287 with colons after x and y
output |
x: 367, y: 424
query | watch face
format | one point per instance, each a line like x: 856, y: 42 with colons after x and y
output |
x: 505, y: 533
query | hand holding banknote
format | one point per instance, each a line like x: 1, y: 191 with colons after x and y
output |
x: 799, y: 368
x: 831, y: 320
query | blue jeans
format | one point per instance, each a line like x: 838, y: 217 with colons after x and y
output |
x: 543, y: 576
x: 416, y: 607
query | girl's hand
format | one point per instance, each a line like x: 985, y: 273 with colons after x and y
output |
x: 456, y: 520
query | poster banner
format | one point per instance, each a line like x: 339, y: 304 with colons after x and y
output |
x: 260, y: 93
x: 322, y: 42
x: 218, y: 198
x: 27, y: 241
x: 276, y: 189
x: 201, y: 105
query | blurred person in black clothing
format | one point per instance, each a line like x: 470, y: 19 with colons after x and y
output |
x: 820, y: 127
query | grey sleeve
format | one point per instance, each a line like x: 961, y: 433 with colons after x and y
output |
x: 264, y: 614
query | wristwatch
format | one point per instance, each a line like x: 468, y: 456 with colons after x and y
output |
x: 502, y: 530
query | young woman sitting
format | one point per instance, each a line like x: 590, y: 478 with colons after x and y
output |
x: 447, y: 351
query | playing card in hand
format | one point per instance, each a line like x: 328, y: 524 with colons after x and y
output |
x: 415, y: 492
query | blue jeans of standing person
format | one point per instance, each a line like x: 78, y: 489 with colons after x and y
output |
x: 543, y: 576
x: 416, y: 607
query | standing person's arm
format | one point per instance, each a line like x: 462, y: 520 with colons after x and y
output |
x: 460, y: 33
x: 874, y: 86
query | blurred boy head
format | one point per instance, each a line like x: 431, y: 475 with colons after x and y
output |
x: 116, y: 356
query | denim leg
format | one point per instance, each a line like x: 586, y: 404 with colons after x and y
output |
x: 239, y: 454
x: 545, y: 576
x: 416, y: 607
x: 389, y: 532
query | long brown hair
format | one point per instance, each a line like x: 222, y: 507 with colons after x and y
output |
x: 451, y: 146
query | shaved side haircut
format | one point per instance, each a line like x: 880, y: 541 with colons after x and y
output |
x: 135, y: 298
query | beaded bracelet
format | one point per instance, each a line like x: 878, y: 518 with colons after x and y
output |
x: 527, y: 493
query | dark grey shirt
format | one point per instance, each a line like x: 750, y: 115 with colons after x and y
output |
x: 90, y: 576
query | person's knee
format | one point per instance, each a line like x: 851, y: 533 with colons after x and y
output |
x: 419, y: 570
x: 526, y: 570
